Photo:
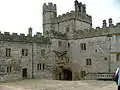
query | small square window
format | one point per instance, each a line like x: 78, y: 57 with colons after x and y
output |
x: 9, y: 69
x: 68, y: 45
x: 96, y: 50
x: 83, y: 46
x: 105, y: 58
x: 39, y: 66
x: 8, y: 52
x: 88, y: 62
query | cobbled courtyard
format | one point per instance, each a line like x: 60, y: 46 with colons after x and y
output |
x: 37, y: 84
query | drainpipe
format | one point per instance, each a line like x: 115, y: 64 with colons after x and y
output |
x: 109, y: 60
x: 32, y: 61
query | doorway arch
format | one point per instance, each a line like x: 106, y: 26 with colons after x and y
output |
x: 67, y: 74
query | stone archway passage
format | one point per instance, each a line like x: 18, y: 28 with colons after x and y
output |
x: 67, y: 74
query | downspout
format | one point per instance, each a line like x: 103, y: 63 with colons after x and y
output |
x: 32, y: 61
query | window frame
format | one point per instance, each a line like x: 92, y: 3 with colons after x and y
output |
x: 67, y: 28
x: 9, y: 69
x: 68, y: 44
x: 89, y: 61
x: 24, y: 52
x: 41, y: 66
x: 8, y: 52
x: 83, y: 46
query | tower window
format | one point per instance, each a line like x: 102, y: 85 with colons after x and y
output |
x: 68, y: 44
x: 88, y: 62
x: 8, y: 52
x: 83, y: 46
x: 67, y: 29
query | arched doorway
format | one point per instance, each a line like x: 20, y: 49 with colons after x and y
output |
x: 67, y: 74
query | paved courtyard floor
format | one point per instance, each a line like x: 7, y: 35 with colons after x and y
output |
x: 37, y: 84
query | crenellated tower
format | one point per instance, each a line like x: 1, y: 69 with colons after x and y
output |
x: 79, y: 7
x: 83, y: 20
x: 49, y: 14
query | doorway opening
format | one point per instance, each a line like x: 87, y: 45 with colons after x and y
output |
x: 24, y: 73
x: 67, y: 74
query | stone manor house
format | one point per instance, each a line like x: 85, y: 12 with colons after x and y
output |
x: 69, y: 49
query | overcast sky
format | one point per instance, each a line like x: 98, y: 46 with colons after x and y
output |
x: 18, y: 15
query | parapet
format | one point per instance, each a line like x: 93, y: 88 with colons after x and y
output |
x: 97, y: 32
x: 14, y: 37
x: 66, y: 16
x: 75, y: 15
x: 79, y: 13
x: 50, y: 7
x: 79, y: 7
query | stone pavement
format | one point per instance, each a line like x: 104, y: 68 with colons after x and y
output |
x: 3, y: 87
x: 37, y: 84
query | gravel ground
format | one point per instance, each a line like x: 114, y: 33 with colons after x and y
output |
x: 37, y: 84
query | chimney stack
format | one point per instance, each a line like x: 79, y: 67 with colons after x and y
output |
x: 30, y: 31
x: 104, y: 23
x: 110, y: 22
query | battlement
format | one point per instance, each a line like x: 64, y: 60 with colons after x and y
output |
x: 14, y: 37
x: 79, y: 7
x: 79, y: 13
x: 75, y: 15
x: 66, y: 16
x: 50, y: 7
x: 95, y: 32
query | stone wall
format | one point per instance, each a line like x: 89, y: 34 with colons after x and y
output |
x: 15, y: 60
x: 97, y: 49
x: 45, y: 59
x: 61, y: 40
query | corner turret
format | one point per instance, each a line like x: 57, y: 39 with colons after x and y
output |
x: 79, y: 7
x: 30, y: 31
x: 110, y: 22
x: 104, y: 23
x: 49, y: 8
x: 49, y: 14
x: 82, y: 17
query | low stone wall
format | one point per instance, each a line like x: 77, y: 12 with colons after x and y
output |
x: 91, y: 76
x: 99, y: 76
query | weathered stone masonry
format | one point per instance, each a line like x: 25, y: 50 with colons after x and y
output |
x: 69, y: 49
